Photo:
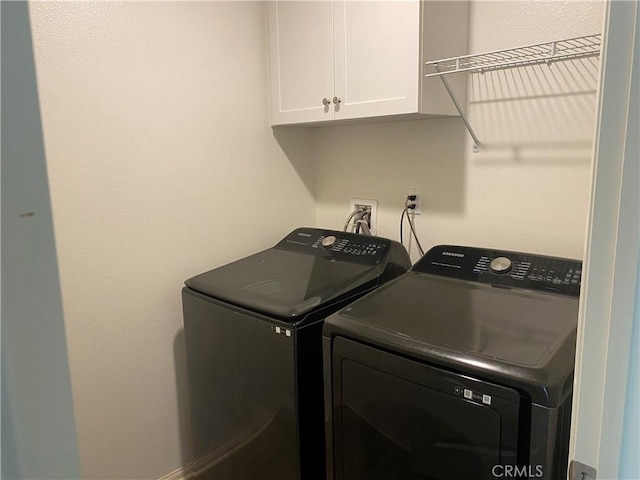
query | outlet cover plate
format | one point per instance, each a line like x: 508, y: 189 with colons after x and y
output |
x: 418, y: 201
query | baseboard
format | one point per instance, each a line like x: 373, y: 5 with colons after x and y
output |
x: 183, y: 473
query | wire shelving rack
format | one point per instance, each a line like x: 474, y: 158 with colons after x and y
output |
x: 535, y: 54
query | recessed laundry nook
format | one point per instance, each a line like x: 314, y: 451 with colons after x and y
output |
x: 320, y: 240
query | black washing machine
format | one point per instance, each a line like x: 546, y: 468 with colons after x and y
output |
x: 460, y: 369
x: 253, y: 331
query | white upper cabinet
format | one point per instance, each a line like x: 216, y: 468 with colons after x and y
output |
x: 301, y: 42
x: 376, y: 57
x: 339, y: 60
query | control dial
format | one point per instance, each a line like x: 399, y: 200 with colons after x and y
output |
x: 328, y: 241
x: 500, y: 265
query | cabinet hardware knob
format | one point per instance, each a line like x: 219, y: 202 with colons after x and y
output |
x: 336, y: 100
x: 326, y: 101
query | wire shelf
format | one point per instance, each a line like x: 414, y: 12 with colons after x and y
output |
x: 572, y: 48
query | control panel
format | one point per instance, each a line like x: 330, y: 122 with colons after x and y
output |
x: 343, y: 246
x: 502, y: 268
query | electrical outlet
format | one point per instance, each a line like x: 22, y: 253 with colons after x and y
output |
x: 417, y: 201
x: 367, y: 203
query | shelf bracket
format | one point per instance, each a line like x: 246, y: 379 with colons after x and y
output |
x: 476, y: 142
x: 548, y: 52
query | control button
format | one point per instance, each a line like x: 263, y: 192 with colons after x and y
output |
x: 328, y: 241
x: 500, y: 265
x: 486, y: 399
x: 468, y: 394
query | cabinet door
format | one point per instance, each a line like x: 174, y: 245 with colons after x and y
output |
x: 301, y: 47
x: 376, y: 57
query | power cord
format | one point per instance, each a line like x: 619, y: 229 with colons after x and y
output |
x: 359, y: 213
x: 409, y: 205
x: 364, y: 222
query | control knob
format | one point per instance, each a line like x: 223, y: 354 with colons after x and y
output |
x: 328, y: 241
x: 500, y: 265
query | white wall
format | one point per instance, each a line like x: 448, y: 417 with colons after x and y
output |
x: 38, y: 427
x: 629, y: 461
x: 155, y: 122
x: 527, y: 189
x: 156, y: 125
x: 601, y: 430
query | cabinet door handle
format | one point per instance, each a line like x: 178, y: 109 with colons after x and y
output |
x: 336, y: 100
x: 326, y: 101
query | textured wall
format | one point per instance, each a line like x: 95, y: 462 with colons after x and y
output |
x: 156, y: 123
x: 528, y: 187
x: 38, y: 427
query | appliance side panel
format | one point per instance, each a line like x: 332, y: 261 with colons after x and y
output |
x: 328, y: 405
x: 545, y: 442
x: 242, y: 386
x: 310, y: 406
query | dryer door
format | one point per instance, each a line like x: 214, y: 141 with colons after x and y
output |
x: 395, y: 418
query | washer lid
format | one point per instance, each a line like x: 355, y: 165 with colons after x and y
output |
x: 299, y: 274
x: 524, y: 336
